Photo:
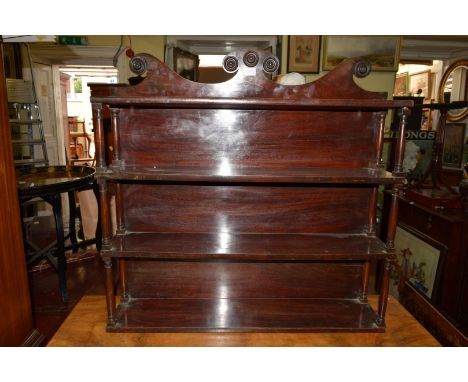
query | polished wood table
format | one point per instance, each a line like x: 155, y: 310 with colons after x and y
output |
x: 86, y: 326
x: 49, y: 183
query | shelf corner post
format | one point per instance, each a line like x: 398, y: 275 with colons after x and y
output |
x: 400, y: 148
x: 110, y: 295
x: 99, y: 135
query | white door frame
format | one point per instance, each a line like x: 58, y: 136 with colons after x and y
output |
x: 60, y: 55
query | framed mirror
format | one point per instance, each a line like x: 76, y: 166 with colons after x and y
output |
x: 454, y: 87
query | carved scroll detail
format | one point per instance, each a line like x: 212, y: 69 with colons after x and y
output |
x: 271, y: 64
x: 230, y: 64
x: 138, y: 65
x: 361, y: 68
x: 251, y: 58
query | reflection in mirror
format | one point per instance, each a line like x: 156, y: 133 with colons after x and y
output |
x: 454, y: 87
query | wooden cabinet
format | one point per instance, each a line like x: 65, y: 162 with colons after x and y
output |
x: 445, y: 314
x: 16, y: 319
x: 245, y: 205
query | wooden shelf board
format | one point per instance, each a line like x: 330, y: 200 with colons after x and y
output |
x: 254, y: 175
x: 246, y: 247
x: 245, y: 315
x: 252, y: 103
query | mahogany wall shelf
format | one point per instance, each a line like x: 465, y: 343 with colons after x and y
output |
x: 245, y: 205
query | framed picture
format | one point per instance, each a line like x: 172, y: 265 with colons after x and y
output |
x: 452, y: 150
x: 419, y: 260
x: 186, y: 64
x: 383, y: 52
x: 304, y: 54
x: 426, y: 119
x: 420, y: 84
x: 12, y: 61
x: 401, y: 84
x: 418, y: 154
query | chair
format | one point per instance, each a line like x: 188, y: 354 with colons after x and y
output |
x: 76, y: 129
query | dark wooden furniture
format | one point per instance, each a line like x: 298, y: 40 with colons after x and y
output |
x: 49, y: 183
x: 16, y: 320
x: 77, y: 131
x: 245, y: 205
x: 86, y: 326
x: 445, y: 315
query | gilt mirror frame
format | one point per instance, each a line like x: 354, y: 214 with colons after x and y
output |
x: 453, y: 115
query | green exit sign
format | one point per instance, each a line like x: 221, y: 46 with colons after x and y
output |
x: 73, y: 40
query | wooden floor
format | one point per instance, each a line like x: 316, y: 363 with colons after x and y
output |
x: 84, y: 276
x: 86, y: 326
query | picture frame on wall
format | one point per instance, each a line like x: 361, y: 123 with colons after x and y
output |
x: 304, y: 54
x: 383, y: 52
x: 426, y: 119
x: 452, y: 149
x: 419, y: 261
x: 420, y: 85
x: 401, y: 85
x: 418, y: 154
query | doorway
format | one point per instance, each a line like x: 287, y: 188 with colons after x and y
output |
x: 78, y: 129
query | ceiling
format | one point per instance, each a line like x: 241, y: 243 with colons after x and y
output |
x: 434, y: 47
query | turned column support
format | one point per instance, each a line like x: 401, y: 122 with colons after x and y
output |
x: 104, y: 213
x: 116, y: 162
x: 380, y: 139
x: 99, y: 136
x: 123, y: 281
x: 110, y: 296
x: 400, y: 144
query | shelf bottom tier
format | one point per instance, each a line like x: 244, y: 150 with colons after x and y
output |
x: 245, y: 315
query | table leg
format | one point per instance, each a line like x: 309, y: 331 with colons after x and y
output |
x: 72, y: 213
x: 61, y: 260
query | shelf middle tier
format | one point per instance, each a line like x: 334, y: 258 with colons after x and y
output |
x: 228, y: 174
x: 246, y: 247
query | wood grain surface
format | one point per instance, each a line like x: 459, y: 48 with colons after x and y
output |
x: 86, y: 326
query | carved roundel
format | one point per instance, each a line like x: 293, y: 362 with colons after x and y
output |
x: 271, y: 64
x: 361, y: 68
x: 251, y: 58
x: 138, y: 65
x: 230, y: 64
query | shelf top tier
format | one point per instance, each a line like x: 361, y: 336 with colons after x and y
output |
x: 248, y: 89
x: 226, y: 131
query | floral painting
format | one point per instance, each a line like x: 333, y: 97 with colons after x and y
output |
x: 417, y: 261
x: 304, y: 54
x: 401, y: 85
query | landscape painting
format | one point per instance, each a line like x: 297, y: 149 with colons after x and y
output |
x: 381, y: 51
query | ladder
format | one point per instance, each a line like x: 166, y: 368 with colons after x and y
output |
x: 29, y: 145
